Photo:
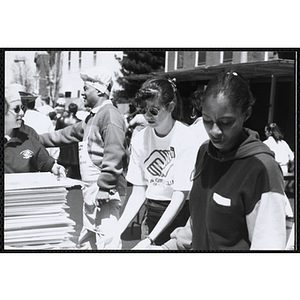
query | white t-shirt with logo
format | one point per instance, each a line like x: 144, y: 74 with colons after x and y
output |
x: 164, y: 164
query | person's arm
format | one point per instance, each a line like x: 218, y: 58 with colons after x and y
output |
x: 114, y: 157
x: 290, y: 152
x: 68, y: 135
x: 266, y: 223
x: 177, y: 202
x: 44, y: 162
x: 180, y: 239
x: 54, y: 152
x: 135, y: 202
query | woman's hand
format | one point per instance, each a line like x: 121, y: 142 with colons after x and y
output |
x: 58, y: 170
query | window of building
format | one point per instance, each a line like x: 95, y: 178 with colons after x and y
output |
x: 201, y: 57
x: 68, y: 94
x: 227, y: 56
x: 95, y: 58
x: 79, y: 59
x: 69, y: 61
x: 180, y: 59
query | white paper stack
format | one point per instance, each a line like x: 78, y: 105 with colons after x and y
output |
x: 35, y: 214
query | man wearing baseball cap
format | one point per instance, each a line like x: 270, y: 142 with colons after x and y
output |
x: 102, y: 156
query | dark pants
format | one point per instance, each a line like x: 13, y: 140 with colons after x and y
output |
x: 155, y: 209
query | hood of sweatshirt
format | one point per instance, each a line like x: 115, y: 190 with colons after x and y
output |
x: 251, y: 146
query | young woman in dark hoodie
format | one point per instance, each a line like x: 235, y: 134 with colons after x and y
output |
x: 237, y: 201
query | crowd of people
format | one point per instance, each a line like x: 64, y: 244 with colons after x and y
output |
x: 211, y: 185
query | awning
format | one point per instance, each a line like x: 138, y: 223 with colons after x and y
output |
x: 261, y: 69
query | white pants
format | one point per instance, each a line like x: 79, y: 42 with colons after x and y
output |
x: 97, y: 222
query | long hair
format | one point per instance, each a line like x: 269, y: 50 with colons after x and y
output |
x: 273, y: 130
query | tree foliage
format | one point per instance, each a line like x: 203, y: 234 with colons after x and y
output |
x: 137, y: 63
x: 142, y: 62
x: 22, y: 73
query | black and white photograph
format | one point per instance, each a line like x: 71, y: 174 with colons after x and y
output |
x: 149, y: 150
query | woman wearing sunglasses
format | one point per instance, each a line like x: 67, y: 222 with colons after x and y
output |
x: 22, y: 152
x: 162, y: 160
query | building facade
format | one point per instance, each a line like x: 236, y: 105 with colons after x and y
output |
x: 183, y: 60
x: 73, y: 62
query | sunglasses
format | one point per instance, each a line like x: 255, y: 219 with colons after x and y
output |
x: 18, y: 108
x: 154, y: 111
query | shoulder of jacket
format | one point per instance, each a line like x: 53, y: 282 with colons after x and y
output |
x: 109, y: 112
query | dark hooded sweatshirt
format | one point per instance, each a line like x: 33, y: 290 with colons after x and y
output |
x: 237, y: 201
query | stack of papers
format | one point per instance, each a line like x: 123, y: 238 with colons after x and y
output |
x: 35, y: 214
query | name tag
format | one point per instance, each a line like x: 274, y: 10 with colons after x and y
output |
x: 221, y: 200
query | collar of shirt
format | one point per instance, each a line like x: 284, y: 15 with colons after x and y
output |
x: 13, y: 141
x: 96, y: 109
